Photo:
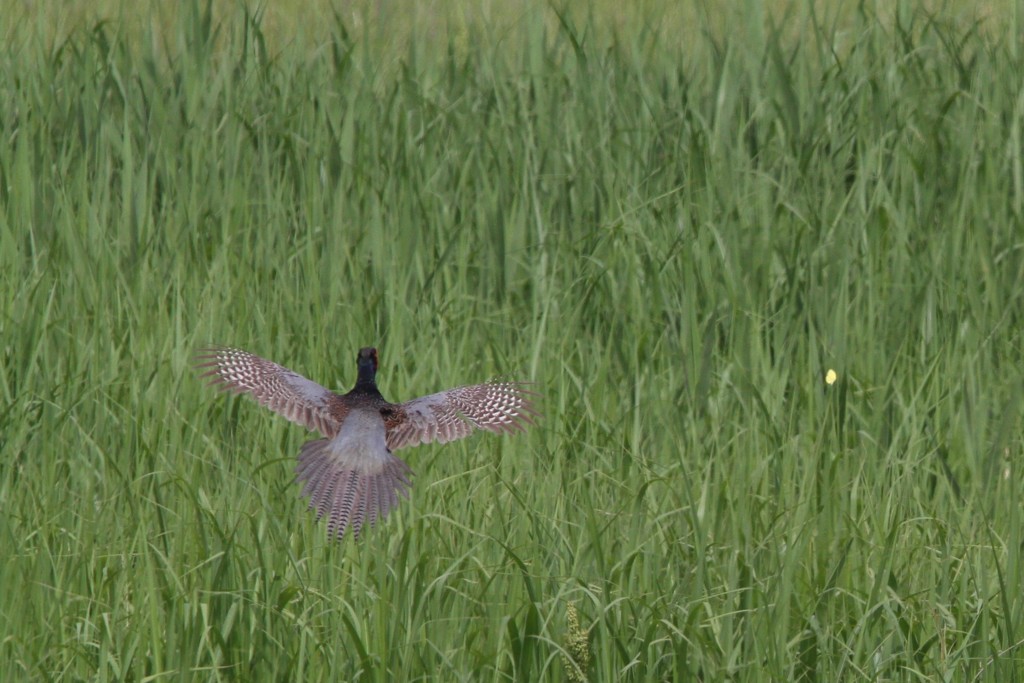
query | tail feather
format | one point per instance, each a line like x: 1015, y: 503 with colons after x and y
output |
x: 352, y: 493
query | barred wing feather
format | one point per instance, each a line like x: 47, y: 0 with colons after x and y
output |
x: 287, y: 393
x: 498, y: 406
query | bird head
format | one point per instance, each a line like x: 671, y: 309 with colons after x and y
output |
x: 367, y: 359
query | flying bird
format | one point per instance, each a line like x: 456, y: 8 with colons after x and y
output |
x: 352, y: 476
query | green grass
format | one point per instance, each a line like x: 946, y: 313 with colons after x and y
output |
x: 674, y: 239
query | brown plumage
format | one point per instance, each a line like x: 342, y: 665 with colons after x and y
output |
x: 351, y: 476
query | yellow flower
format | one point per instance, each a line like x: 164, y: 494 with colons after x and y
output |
x: 830, y: 376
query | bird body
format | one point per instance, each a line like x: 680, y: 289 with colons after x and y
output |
x: 352, y: 476
x: 362, y: 439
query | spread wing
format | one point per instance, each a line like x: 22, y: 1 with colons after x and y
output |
x: 496, y: 406
x: 285, y: 392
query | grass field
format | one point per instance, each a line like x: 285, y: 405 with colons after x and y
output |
x: 674, y: 236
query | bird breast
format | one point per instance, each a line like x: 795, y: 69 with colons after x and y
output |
x: 361, y: 442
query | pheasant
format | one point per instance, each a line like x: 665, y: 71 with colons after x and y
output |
x: 351, y: 476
